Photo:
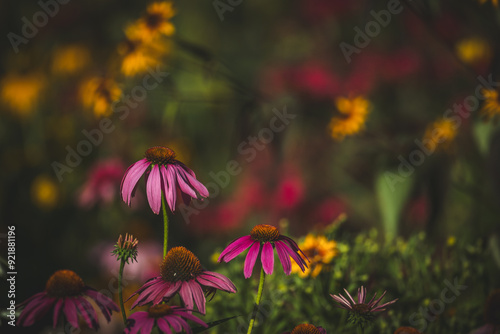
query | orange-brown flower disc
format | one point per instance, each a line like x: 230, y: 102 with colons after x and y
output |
x: 180, y: 265
x: 160, y: 155
x: 160, y: 310
x: 265, y: 233
x: 406, y: 330
x: 305, y: 329
x: 64, y: 283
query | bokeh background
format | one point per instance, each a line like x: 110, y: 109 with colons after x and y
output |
x: 342, y: 167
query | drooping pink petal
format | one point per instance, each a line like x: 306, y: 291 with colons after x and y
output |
x: 191, y: 317
x: 175, y: 323
x: 184, y: 186
x: 132, y: 176
x: 267, y: 258
x: 284, y: 258
x: 252, y: 255
x: 35, y: 309
x: 172, y: 187
x: 187, y: 295
x: 153, y: 189
x: 235, y: 248
x: 195, y: 184
x: 163, y: 326
x: 88, y: 312
x: 294, y: 246
x: 199, y: 297
x: 229, y: 285
x: 70, y: 312
x: 185, y: 325
x: 57, y: 312
x: 296, y: 257
x: 147, y: 325
x: 105, y: 304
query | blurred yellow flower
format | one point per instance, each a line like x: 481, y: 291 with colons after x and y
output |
x: 494, y: 2
x: 154, y: 23
x: 451, y: 241
x: 440, y: 134
x: 21, y: 93
x: 473, y: 50
x: 44, y: 192
x: 214, y: 257
x: 352, y: 118
x: 98, y: 94
x: 320, y: 252
x: 491, y: 105
x: 138, y: 56
x: 70, y: 59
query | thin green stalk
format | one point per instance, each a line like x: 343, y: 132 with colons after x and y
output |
x: 165, y: 223
x: 257, y: 302
x: 120, y: 291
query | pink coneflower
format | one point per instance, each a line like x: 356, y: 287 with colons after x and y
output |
x: 163, y: 316
x: 361, y: 313
x: 181, y: 272
x: 66, y: 293
x: 166, y: 175
x: 307, y: 329
x: 268, y: 237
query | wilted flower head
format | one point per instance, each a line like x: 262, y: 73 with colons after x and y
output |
x: 165, y: 175
x: 362, y: 312
x: 262, y: 240
x: 307, y: 329
x: 66, y: 294
x: 126, y: 249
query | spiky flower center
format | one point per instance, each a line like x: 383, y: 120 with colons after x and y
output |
x: 160, y: 310
x: 265, y: 233
x: 64, y: 283
x: 180, y: 265
x: 305, y: 329
x: 160, y: 155
x: 361, y: 308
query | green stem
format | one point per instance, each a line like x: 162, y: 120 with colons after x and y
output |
x: 257, y: 302
x: 165, y: 223
x: 120, y: 291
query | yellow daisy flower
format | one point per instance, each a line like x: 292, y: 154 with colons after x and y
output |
x: 440, y: 134
x: 98, y: 94
x: 138, y: 56
x: 70, y: 59
x: 352, y: 118
x: 21, y: 93
x: 154, y: 23
x: 320, y: 252
x: 491, y: 104
x: 473, y: 50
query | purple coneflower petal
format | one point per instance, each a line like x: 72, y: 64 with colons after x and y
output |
x: 35, y: 310
x: 195, y: 184
x: 252, y: 255
x: 187, y: 295
x: 235, y: 248
x: 374, y: 303
x: 294, y: 246
x: 185, y: 187
x: 215, y: 282
x: 163, y: 326
x: 70, y: 312
x: 175, y: 323
x: 147, y: 325
x: 172, y: 193
x: 191, y: 317
x: 88, y: 312
x: 105, y: 304
x: 153, y: 189
x: 361, y: 295
x: 199, y: 297
x: 132, y: 176
x: 57, y: 312
x: 185, y: 325
x: 267, y: 258
x: 284, y: 258
x: 382, y: 307
x: 296, y: 257
x: 342, y: 302
x: 347, y: 292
